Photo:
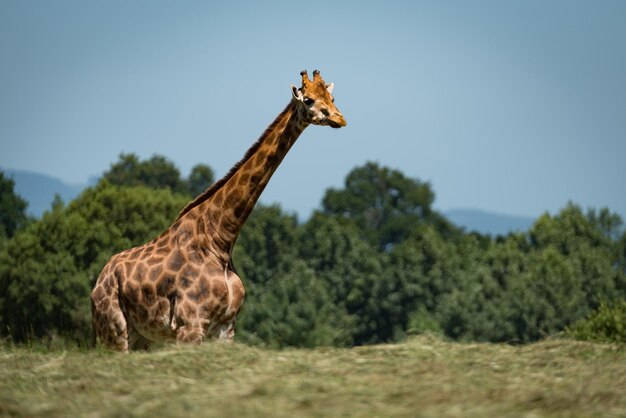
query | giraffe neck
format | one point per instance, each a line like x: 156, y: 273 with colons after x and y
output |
x: 228, y: 203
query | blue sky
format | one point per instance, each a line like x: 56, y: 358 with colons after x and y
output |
x: 511, y: 107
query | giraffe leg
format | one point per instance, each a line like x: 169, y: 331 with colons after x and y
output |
x: 136, y: 341
x: 109, y: 322
x: 226, y: 331
x: 112, y: 330
x: 190, y: 333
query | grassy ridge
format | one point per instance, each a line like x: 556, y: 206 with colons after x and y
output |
x: 424, y: 377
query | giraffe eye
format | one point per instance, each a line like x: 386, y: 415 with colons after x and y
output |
x: 308, y: 101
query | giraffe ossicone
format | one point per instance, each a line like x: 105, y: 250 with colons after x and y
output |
x: 182, y: 285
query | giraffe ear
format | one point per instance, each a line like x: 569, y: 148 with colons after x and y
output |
x: 297, y: 94
x: 330, y: 87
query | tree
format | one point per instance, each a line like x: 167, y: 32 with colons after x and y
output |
x: 12, y: 208
x: 439, y: 281
x: 200, y: 178
x: 547, y: 298
x: 265, y: 251
x: 267, y: 245
x: 42, y: 291
x: 352, y: 271
x: 591, y: 245
x: 383, y: 203
x: 295, y: 310
x: 611, y: 225
x: 537, y: 283
x: 156, y: 172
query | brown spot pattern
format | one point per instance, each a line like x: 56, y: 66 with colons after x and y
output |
x: 155, y: 272
x: 175, y: 261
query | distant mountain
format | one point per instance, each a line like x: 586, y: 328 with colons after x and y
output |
x: 39, y: 189
x: 488, y: 222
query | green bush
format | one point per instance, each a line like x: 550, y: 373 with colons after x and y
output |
x: 606, y: 324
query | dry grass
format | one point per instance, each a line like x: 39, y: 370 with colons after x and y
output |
x: 424, y: 377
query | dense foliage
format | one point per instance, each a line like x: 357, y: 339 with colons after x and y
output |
x: 374, y: 264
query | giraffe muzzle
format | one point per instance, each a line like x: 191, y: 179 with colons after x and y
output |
x: 337, y: 121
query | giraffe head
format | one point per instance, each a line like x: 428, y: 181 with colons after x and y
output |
x: 316, y: 102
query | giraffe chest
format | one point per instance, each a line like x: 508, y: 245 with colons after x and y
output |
x: 211, y: 303
x: 216, y: 295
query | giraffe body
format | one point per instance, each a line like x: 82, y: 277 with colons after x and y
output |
x: 179, y: 294
x: 182, y: 285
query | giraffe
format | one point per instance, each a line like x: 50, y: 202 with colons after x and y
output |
x: 182, y: 285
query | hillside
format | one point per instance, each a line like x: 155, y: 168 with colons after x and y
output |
x: 424, y: 377
x: 39, y: 189
x: 488, y: 222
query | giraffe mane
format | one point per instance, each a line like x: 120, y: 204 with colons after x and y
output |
x: 204, y: 196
